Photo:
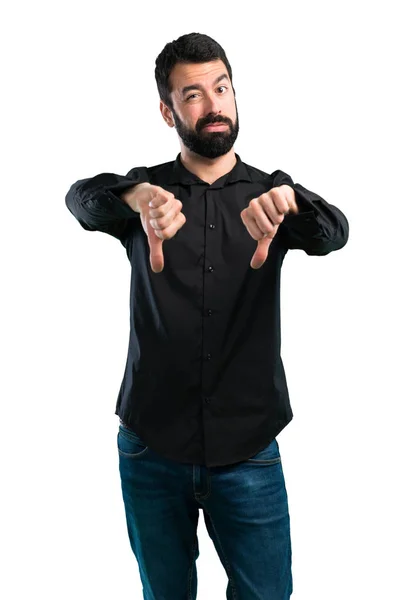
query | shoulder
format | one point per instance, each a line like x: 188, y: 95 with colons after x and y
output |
x: 275, y: 178
x: 155, y: 174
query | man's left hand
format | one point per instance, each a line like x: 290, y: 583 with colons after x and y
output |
x: 263, y: 217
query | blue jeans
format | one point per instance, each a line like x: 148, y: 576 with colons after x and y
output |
x: 246, y: 514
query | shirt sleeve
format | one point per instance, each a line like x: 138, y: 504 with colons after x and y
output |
x: 96, y: 204
x: 318, y: 228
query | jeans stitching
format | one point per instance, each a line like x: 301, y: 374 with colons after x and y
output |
x: 271, y: 461
x: 228, y: 567
x: 123, y: 434
x: 128, y: 433
x: 133, y: 455
x: 191, y: 570
x: 208, y: 493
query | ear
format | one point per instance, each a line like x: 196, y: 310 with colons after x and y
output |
x: 166, y: 114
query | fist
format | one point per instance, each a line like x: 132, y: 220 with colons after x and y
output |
x: 264, y: 215
x: 161, y: 216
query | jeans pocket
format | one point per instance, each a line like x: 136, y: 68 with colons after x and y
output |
x: 269, y: 455
x: 129, y: 443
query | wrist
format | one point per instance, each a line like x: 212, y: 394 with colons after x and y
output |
x: 291, y: 199
x: 131, y: 195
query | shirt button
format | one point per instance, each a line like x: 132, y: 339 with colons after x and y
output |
x: 212, y: 226
x: 207, y: 400
x: 208, y: 357
x: 211, y: 269
x: 209, y: 312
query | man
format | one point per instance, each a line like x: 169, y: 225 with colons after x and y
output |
x: 204, y: 393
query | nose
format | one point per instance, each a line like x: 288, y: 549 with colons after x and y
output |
x: 212, y: 105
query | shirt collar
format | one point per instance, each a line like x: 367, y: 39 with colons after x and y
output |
x: 180, y: 174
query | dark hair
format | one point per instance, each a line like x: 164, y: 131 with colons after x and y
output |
x: 189, y: 48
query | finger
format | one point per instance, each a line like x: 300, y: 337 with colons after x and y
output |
x: 166, y: 220
x: 269, y: 208
x: 159, y: 199
x: 162, y: 209
x: 251, y: 225
x: 261, y: 253
x: 277, y: 201
x: 156, y: 250
x: 262, y: 220
x: 170, y: 231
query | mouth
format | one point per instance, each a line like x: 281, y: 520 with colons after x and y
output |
x: 215, y: 127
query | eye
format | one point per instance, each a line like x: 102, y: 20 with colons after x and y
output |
x: 221, y: 87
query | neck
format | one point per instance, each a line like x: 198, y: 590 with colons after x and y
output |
x: 208, y: 169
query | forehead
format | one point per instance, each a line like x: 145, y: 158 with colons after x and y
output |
x: 203, y: 74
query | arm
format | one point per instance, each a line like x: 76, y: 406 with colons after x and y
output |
x: 98, y: 205
x: 318, y: 227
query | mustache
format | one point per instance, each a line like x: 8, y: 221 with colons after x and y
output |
x: 204, y: 123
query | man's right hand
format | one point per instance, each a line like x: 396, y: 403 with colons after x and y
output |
x: 160, y: 213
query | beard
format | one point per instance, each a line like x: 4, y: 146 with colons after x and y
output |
x: 209, y: 144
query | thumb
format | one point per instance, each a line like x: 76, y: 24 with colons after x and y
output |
x: 261, y: 253
x: 155, y: 244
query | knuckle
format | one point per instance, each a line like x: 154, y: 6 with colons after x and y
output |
x: 253, y: 202
x: 281, y: 210
x: 163, y: 195
x: 162, y: 209
x: 267, y: 228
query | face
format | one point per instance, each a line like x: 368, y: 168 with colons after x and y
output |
x: 202, y: 94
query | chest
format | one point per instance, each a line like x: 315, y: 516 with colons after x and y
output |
x: 214, y: 230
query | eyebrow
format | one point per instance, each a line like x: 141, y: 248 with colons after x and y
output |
x: 197, y: 86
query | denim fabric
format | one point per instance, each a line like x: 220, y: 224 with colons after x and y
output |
x: 246, y: 514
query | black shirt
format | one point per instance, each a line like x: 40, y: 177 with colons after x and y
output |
x: 204, y: 381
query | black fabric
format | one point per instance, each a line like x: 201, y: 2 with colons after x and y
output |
x: 204, y: 381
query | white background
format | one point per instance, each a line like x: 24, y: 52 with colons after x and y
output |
x: 317, y: 95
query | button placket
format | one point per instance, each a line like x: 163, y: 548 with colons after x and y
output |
x: 208, y: 370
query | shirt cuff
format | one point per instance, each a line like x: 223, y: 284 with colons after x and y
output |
x: 133, y: 177
x: 306, y: 220
x: 307, y: 212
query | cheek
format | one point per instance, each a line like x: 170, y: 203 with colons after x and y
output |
x: 193, y: 116
x: 193, y: 121
x: 232, y: 112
